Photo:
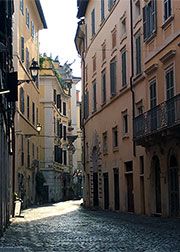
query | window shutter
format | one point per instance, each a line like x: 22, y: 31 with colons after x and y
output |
x: 113, y: 77
x: 22, y: 49
x: 65, y: 157
x: 94, y: 96
x: 60, y: 155
x: 59, y: 102
x: 64, y: 108
x: 138, y: 54
x: 60, y: 130
x: 124, y: 68
x: 145, y: 21
x: 64, y: 131
x: 154, y: 16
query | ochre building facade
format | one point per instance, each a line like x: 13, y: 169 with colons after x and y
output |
x: 130, y: 56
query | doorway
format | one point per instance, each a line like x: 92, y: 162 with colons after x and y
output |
x: 173, y: 187
x: 156, y: 182
x: 106, y: 191
x: 116, y: 189
x: 130, y: 196
x: 95, y: 191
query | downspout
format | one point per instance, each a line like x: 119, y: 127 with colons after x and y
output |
x: 132, y: 75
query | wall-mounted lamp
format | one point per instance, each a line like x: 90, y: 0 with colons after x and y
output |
x: 34, y: 69
x: 39, y: 127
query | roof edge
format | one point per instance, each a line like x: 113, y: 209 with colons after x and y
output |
x: 41, y: 14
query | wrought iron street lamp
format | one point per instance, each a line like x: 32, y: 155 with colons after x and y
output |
x: 34, y: 70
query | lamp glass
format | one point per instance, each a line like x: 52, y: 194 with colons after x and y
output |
x: 39, y: 127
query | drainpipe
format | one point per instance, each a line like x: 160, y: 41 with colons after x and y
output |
x: 132, y: 74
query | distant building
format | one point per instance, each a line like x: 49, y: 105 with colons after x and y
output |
x: 28, y: 20
x: 130, y: 113
x: 57, y: 135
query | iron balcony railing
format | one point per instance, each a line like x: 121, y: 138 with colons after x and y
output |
x: 163, y: 116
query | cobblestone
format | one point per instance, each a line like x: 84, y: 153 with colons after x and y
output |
x: 66, y: 226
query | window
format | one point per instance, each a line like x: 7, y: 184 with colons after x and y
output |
x: 32, y: 29
x: 28, y: 107
x: 65, y: 157
x: 128, y: 166
x: 169, y: 83
x: 105, y: 142
x: 113, y: 38
x: 94, y: 96
x: 22, y: 100
x: 93, y: 22
x: 33, y: 113
x: 27, y: 59
x: 110, y: 4
x: 125, y: 123
x: 64, y: 108
x: 27, y: 18
x: 22, y: 49
x: 57, y: 154
x: 54, y: 95
x: 139, y: 107
x: 123, y: 26
x: 37, y: 116
x: 113, y: 77
x: 103, y: 81
x: 64, y: 132
x: 59, y: 102
x: 149, y: 19
x: 141, y: 161
x: 33, y: 150
x: 28, y: 153
x: 138, y: 53
x: 102, y: 10
x: 22, y: 150
x: 123, y: 68
x: 153, y: 97
x: 167, y: 9
x: 103, y: 51
x: 94, y: 63
x: 86, y: 105
x: 153, y: 102
x: 115, y: 137
x: 22, y: 6
x: 59, y: 129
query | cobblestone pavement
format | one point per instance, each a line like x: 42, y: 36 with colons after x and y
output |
x: 66, y: 226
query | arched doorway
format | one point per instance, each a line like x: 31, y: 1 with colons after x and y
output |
x: 173, y: 186
x: 156, y: 181
x: 95, y: 177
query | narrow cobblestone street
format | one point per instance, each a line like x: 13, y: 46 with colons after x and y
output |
x: 66, y: 226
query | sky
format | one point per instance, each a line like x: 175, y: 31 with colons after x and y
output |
x: 58, y: 39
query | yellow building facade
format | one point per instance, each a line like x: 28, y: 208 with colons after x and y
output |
x: 126, y: 48
x: 56, y: 137
x: 28, y: 20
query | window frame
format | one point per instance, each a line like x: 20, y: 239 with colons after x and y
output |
x: 113, y: 76
x: 149, y: 19
x: 124, y: 67
x: 115, y: 137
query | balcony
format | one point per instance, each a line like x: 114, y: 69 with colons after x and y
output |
x: 159, y: 121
